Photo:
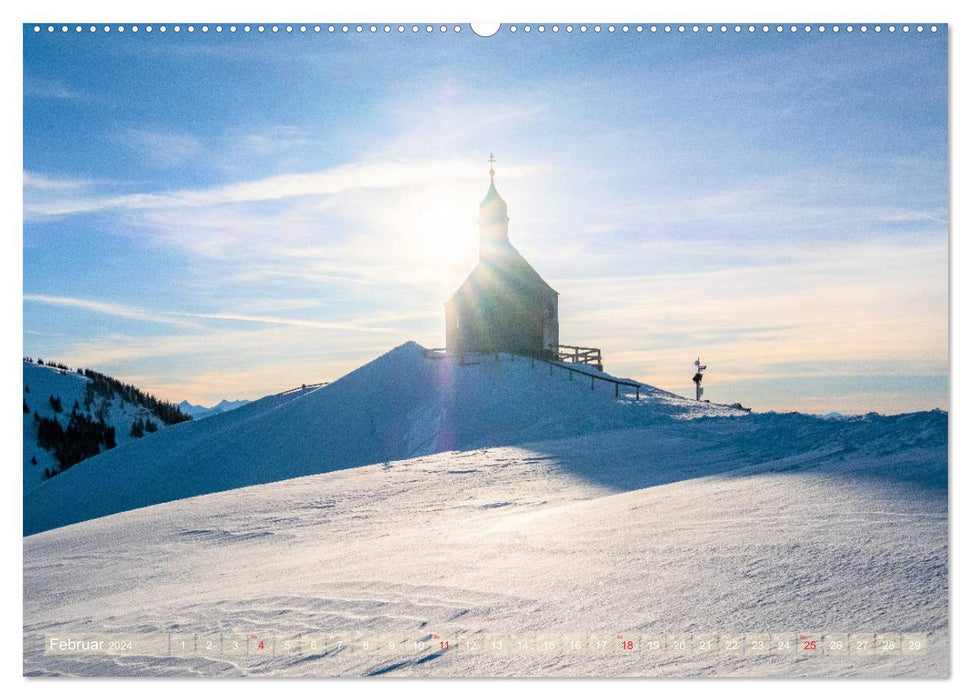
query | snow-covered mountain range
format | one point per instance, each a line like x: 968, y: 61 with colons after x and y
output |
x: 419, y: 496
x: 197, y: 411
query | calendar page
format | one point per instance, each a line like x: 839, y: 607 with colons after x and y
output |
x: 449, y: 350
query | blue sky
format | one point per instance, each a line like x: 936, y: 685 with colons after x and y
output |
x: 227, y: 215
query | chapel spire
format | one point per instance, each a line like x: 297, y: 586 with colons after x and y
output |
x: 493, y: 216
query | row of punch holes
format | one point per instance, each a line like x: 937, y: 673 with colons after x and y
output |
x: 513, y: 28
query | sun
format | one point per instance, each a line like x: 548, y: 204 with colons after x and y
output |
x: 441, y: 226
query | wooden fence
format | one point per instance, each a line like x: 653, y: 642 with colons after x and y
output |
x: 533, y: 357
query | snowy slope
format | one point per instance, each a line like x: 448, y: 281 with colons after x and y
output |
x: 400, y: 405
x: 44, y: 382
x: 755, y: 524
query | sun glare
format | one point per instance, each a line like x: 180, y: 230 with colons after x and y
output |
x: 439, y: 232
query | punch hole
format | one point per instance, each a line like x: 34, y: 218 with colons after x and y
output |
x: 485, y: 29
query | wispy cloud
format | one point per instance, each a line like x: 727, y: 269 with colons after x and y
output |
x: 49, y: 183
x: 49, y: 89
x: 383, y: 175
x: 181, y: 318
x: 160, y: 148
x: 109, y: 309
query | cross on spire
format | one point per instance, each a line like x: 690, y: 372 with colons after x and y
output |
x: 492, y: 171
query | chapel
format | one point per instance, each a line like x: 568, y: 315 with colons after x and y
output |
x: 504, y: 305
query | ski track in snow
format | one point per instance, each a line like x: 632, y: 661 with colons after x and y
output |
x: 746, y: 524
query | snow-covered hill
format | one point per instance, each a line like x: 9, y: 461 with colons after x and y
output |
x: 763, y: 524
x: 400, y: 405
x: 41, y: 382
x: 198, y: 411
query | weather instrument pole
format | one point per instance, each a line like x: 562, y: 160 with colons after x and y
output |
x: 699, y: 368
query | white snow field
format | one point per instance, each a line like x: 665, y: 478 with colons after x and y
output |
x: 610, y: 516
x: 400, y: 405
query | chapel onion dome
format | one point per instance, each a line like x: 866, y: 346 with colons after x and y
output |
x: 493, y: 207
